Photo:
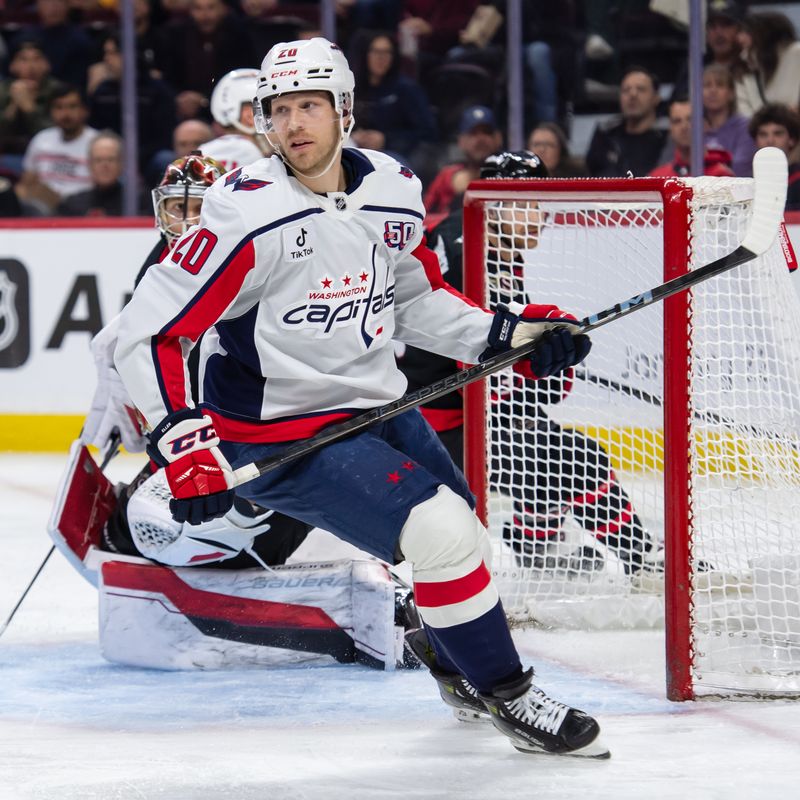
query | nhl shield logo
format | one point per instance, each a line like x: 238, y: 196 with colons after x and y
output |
x: 14, y: 320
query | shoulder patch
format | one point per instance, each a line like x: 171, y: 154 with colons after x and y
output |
x: 243, y: 183
x: 406, y: 172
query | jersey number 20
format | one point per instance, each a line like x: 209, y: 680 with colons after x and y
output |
x: 193, y: 252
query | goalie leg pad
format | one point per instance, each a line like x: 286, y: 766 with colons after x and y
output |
x: 84, y: 502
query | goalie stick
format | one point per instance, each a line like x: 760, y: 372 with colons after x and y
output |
x: 113, y: 448
x: 770, y: 178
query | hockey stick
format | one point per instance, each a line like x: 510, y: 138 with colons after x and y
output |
x: 770, y: 174
x: 113, y: 448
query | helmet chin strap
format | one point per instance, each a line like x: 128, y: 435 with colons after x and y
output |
x: 276, y: 147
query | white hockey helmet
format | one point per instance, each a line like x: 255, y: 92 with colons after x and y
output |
x: 184, y: 178
x: 232, y: 91
x: 304, y: 66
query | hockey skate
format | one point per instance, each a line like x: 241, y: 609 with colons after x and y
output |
x: 456, y: 691
x: 536, y: 723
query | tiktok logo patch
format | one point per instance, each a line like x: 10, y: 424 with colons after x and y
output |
x: 297, y: 242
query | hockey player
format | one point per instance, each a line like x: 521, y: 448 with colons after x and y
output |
x: 232, y: 109
x: 307, y: 264
x: 566, y: 471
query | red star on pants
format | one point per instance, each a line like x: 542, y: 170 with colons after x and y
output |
x: 409, y: 465
x: 394, y: 477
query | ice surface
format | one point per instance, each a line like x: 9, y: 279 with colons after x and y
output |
x: 75, y: 727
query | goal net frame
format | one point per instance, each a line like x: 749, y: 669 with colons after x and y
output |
x: 675, y: 199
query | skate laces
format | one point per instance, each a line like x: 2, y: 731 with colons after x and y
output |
x: 536, y: 709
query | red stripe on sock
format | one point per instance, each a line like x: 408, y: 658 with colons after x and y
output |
x: 446, y: 593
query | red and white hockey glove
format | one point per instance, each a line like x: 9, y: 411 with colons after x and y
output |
x: 112, y: 408
x: 199, y: 476
x: 559, y: 344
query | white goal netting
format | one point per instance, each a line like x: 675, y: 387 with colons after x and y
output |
x: 574, y: 489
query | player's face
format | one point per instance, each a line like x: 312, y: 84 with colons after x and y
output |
x: 179, y: 214
x: 307, y: 128
x: 514, y: 229
x: 246, y: 115
x: 771, y: 134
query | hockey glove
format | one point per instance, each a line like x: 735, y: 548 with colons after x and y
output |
x: 199, y: 476
x: 112, y: 408
x: 558, y: 348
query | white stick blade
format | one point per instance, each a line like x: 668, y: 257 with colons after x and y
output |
x: 770, y: 174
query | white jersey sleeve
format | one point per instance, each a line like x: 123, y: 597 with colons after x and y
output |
x: 206, y: 273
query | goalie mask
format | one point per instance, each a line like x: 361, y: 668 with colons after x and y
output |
x: 304, y: 66
x: 517, y: 164
x: 177, y: 199
x: 234, y: 90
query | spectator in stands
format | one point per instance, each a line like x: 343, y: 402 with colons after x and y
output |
x: 195, y: 52
x: 632, y: 143
x: 56, y: 163
x: 154, y: 101
x: 716, y: 162
x: 478, y: 138
x: 187, y: 137
x: 776, y: 125
x: 723, y: 45
x: 68, y: 46
x: 9, y: 202
x: 771, y: 50
x: 549, y: 142
x: 724, y: 128
x: 25, y: 97
x: 391, y: 111
x: 106, y: 166
x: 429, y: 28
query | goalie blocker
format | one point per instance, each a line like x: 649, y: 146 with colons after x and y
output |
x: 168, y: 617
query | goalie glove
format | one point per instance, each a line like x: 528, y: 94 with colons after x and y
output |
x: 199, y: 476
x: 112, y: 408
x: 559, y: 344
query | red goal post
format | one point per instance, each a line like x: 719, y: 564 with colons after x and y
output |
x: 696, y: 403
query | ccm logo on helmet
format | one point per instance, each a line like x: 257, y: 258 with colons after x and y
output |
x: 284, y: 73
x: 186, y: 442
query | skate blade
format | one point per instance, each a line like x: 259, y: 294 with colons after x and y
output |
x: 470, y: 717
x: 594, y: 750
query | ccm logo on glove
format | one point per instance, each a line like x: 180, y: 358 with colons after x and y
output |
x: 186, y: 442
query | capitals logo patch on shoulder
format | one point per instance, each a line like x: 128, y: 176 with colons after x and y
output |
x: 241, y: 183
x: 406, y: 172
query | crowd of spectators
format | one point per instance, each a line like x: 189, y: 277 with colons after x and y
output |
x: 430, y: 78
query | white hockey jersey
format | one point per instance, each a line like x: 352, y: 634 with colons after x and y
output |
x: 305, y: 293
x: 232, y: 151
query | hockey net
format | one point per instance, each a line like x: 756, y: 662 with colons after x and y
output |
x: 699, y: 394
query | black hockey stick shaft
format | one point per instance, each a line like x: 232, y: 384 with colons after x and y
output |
x: 111, y: 451
x: 499, y: 362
